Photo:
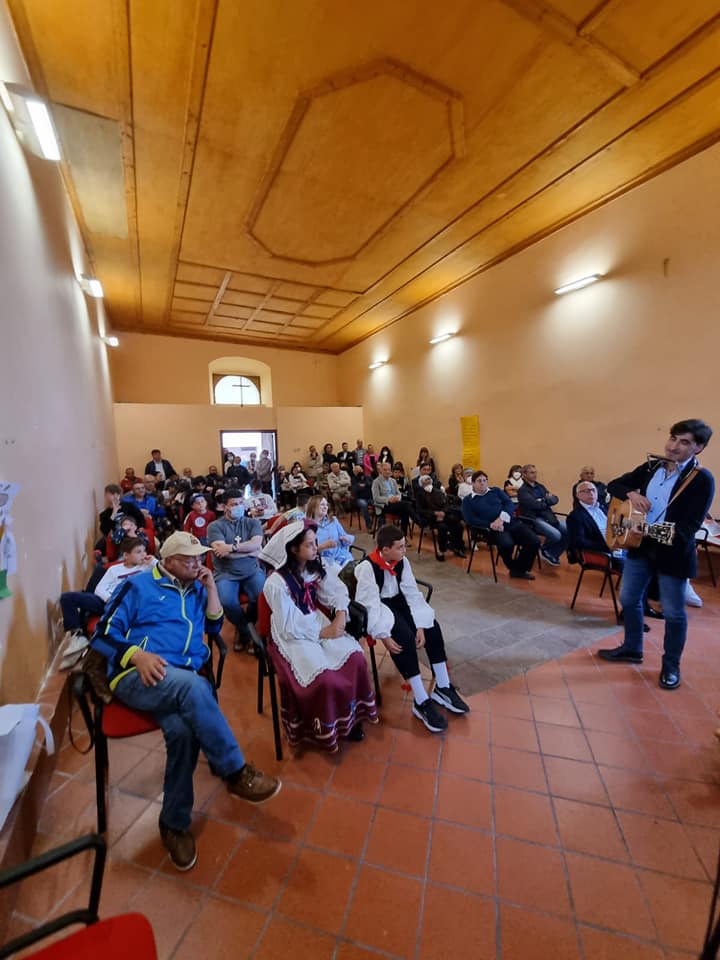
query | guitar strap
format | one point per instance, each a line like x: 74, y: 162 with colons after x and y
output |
x: 694, y: 471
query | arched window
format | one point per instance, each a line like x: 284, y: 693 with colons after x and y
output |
x: 242, y: 391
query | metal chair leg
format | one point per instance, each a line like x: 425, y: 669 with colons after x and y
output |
x: 614, y: 598
x: 101, y: 772
x: 493, y: 561
x: 275, y: 713
x: 376, y: 678
x: 261, y: 678
x: 577, y: 588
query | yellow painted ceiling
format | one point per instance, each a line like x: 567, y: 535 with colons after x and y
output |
x: 303, y: 172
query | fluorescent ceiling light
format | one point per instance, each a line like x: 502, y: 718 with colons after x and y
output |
x: 578, y: 284
x: 33, y: 124
x: 92, y: 287
x: 378, y: 363
x: 112, y: 341
x: 442, y: 338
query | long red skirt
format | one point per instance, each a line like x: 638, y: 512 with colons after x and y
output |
x: 325, y: 711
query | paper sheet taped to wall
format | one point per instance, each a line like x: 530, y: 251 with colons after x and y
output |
x: 470, y: 430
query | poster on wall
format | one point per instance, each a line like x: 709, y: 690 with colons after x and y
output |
x: 8, y: 566
x: 470, y: 432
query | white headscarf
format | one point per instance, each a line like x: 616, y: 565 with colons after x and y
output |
x: 275, y: 550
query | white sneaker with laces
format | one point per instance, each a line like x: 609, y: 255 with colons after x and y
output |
x: 691, y: 598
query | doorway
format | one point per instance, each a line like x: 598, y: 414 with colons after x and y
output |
x: 244, y: 442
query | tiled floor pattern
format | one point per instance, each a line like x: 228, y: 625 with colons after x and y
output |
x: 574, y: 814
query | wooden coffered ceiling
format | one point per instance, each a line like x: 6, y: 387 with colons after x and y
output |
x: 303, y: 172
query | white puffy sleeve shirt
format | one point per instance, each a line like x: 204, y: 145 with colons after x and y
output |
x: 380, y: 617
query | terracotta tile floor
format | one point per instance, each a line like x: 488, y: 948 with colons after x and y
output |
x: 575, y: 813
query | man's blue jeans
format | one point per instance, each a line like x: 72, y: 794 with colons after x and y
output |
x: 555, y: 538
x: 188, y: 714
x: 637, y: 574
x: 229, y: 593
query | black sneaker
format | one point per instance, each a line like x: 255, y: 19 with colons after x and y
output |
x: 180, y: 844
x: 449, y: 698
x: 620, y: 655
x: 430, y: 716
x: 553, y: 561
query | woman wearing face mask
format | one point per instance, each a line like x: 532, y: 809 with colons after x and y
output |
x: 325, y: 687
x: 333, y: 542
x: 515, y: 476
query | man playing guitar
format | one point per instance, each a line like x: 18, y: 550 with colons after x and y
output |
x: 671, y: 489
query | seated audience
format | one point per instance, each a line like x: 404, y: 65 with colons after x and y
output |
x: 370, y: 462
x: 587, y: 475
x: 346, y: 459
x: 159, y: 468
x: 187, y: 473
x: 141, y: 500
x: 512, y: 492
x: 587, y: 523
x: 465, y: 488
x: 213, y: 476
x: 400, y: 617
x: 126, y: 484
x: 423, y: 458
x: 314, y: 463
x: 156, y: 652
x: 434, y: 511
x: 260, y: 505
x: 264, y: 471
x: 403, y: 484
x: 322, y: 485
x: 325, y: 689
x: 236, y: 541
x: 387, y: 499
x: 515, y: 477
x: 328, y: 455
x: 116, y: 508
x: 339, y: 488
x: 294, y: 513
x: 361, y: 487
x: 455, y: 479
x: 127, y: 529
x: 199, y: 518
x: 535, y: 502
x: 79, y: 606
x: 425, y: 470
x: 491, y: 509
x: 333, y: 542
x: 385, y: 456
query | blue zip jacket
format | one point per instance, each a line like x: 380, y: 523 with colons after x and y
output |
x: 152, y: 612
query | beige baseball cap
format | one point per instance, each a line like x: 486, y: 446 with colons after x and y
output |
x: 182, y: 544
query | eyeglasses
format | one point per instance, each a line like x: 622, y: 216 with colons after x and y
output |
x: 188, y: 561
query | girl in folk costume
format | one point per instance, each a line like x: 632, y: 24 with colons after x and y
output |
x: 326, y: 692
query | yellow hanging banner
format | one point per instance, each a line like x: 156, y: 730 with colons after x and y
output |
x: 470, y: 430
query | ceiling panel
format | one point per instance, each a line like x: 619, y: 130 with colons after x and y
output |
x: 305, y: 173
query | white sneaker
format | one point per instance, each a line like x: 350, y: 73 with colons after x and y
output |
x: 691, y: 598
x: 76, y: 642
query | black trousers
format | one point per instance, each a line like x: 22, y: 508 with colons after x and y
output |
x: 401, y: 510
x: 404, y: 633
x: 516, y: 534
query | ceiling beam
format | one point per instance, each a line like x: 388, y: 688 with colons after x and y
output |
x: 560, y: 28
x: 597, y: 17
x: 218, y: 298
x: 261, y: 305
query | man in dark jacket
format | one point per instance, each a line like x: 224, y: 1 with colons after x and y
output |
x: 435, y: 512
x: 161, y: 469
x: 491, y: 508
x: 673, y: 489
x: 534, y: 502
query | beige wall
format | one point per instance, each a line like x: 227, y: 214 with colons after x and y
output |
x: 56, y: 430
x: 594, y: 376
x: 189, y: 434
x: 152, y: 369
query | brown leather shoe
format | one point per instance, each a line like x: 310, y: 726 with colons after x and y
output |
x: 180, y: 844
x: 253, y: 785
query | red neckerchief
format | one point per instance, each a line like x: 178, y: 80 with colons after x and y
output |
x: 382, y: 563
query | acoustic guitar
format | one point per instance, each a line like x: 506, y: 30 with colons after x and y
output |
x: 626, y: 527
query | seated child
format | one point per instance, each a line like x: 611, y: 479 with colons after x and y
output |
x: 199, y: 518
x: 401, y: 618
x: 78, y: 606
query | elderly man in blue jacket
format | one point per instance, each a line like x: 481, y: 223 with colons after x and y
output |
x: 491, y: 508
x: 152, y: 635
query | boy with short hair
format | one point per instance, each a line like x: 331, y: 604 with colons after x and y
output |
x: 199, y: 518
x: 402, y: 619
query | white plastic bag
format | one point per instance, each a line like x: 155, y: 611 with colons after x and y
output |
x: 18, y: 723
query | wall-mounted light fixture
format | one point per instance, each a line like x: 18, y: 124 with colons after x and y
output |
x: 378, y: 363
x: 442, y: 338
x: 111, y: 341
x: 578, y: 284
x: 30, y: 116
x: 92, y: 287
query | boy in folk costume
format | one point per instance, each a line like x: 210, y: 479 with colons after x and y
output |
x: 401, y: 618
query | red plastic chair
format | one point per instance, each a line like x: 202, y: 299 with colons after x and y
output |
x: 127, y: 935
x: 602, y: 563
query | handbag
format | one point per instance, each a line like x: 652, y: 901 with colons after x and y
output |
x: 18, y: 725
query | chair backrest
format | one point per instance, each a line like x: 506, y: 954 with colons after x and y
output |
x: 262, y: 623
